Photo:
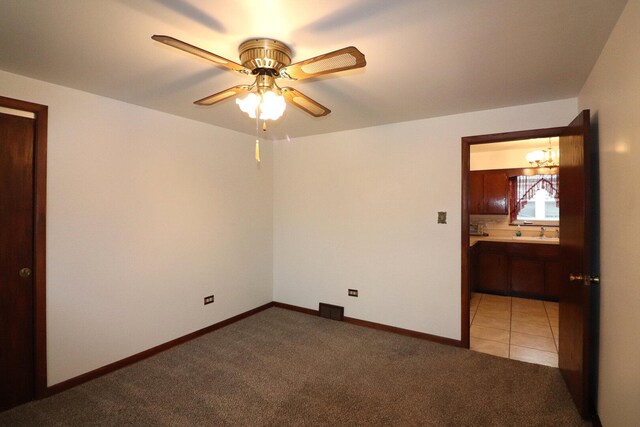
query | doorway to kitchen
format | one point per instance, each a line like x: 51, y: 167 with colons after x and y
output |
x: 511, y: 257
x: 579, y: 283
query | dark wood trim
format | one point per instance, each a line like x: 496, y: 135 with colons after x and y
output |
x: 309, y: 311
x: 464, y: 261
x: 467, y: 142
x: 406, y: 332
x: 39, y: 236
x: 513, y: 136
x: 527, y: 171
x: 65, y: 385
x: 378, y: 326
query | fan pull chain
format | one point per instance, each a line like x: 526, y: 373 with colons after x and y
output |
x: 257, y: 153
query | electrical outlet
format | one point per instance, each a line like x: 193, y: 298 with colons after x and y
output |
x: 208, y: 300
x: 353, y: 292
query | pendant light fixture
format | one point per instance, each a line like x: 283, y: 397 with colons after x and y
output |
x: 544, y: 158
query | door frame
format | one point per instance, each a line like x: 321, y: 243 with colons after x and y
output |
x: 40, y: 113
x: 467, y: 142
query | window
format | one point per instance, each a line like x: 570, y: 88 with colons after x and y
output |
x: 540, y: 207
x: 534, y: 198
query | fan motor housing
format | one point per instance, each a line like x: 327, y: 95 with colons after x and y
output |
x: 264, y: 53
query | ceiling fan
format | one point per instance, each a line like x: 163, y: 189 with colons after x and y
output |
x: 269, y: 60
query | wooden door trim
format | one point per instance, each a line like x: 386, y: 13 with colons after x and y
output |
x: 467, y: 142
x: 39, y: 236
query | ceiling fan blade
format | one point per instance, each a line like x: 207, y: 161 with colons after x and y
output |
x: 343, y: 59
x: 221, y: 96
x: 302, y: 101
x: 186, y: 47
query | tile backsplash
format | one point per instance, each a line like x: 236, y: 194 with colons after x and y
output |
x: 498, y: 226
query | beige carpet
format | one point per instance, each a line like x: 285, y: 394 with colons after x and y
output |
x: 281, y: 368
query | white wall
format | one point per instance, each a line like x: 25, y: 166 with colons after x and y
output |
x: 612, y: 92
x: 147, y: 214
x: 358, y: 209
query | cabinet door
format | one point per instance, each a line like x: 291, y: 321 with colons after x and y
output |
x: 552, y: 279
x: 527, y: 276
x: 492, y: 273
x: 496, y: 192
x: 476, y: 193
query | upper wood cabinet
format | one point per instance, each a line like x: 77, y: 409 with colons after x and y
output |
x: 489, y: 193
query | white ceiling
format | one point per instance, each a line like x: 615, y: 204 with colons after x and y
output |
x: 425, y: 58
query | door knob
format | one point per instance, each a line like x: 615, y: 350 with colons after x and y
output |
x: 576, y: 277
x: 25, y: 272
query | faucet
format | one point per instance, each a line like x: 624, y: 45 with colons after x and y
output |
x: 541, y: 231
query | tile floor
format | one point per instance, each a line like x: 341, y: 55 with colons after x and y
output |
x: 515, y: 328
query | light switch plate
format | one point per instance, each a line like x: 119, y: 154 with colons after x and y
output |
x: 442, y: 217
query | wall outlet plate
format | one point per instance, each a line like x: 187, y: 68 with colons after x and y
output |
x: 208, y: 300
x: 353, y: 292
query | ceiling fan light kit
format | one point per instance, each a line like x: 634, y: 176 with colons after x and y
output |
x: 268, y: 105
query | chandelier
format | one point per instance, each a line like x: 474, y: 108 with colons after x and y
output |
x: 544, y: 158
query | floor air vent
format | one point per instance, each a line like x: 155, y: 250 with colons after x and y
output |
x: 330, y: 311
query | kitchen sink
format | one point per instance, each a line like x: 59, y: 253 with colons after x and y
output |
x: 537, y: 239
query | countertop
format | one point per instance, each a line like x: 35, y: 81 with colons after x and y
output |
x: 512, y: 239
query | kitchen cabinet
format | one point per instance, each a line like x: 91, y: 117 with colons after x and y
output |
x: 489, y: 193
x: 490, y: 268
x: 527, y: 276
x: 518, y: 269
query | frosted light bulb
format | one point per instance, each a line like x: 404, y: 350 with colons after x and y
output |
x: 272, y: 106
x: 249, y: 104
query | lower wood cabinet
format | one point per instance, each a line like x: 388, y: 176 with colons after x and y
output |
x: 519, y: 269
x: 527, y: 276
x: 492, y: 272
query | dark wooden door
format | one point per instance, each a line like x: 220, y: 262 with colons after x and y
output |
x: 552, y: 279
x: 575, y: 291
x: 16, y: 260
